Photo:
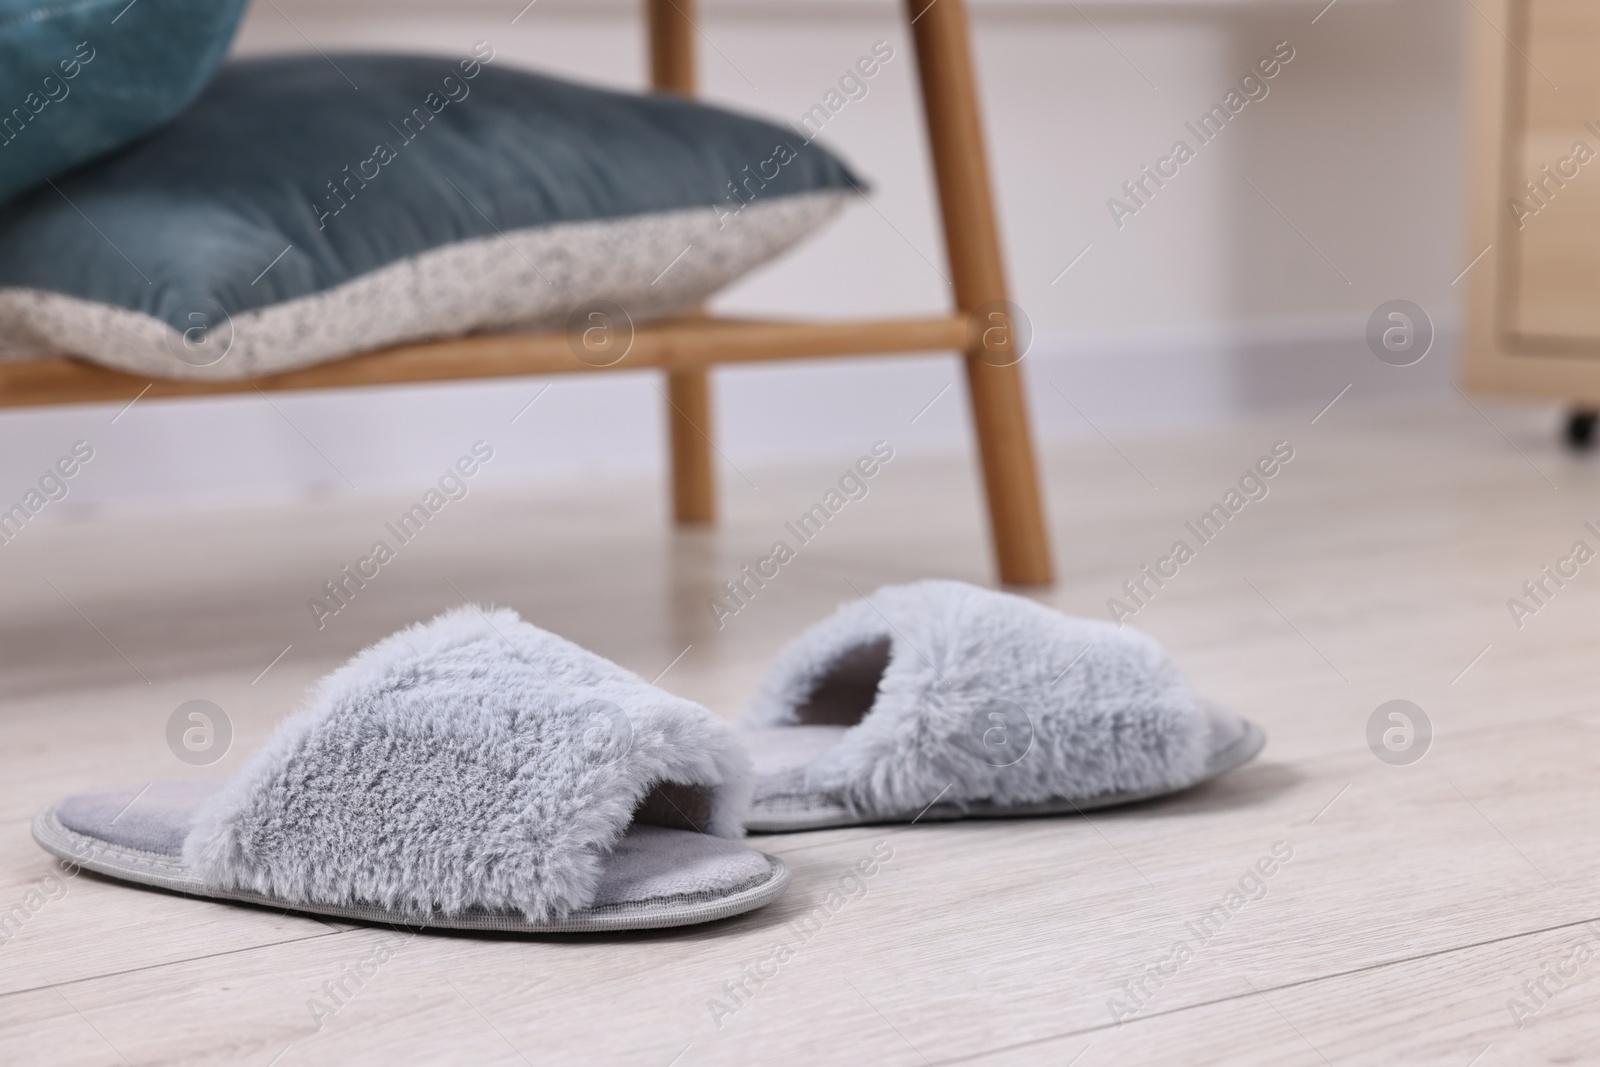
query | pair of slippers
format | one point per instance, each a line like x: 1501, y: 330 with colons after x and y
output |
x: 478, y: 773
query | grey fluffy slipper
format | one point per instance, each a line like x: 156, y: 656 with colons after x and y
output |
x: 473, y: 772
x: 940, y: 700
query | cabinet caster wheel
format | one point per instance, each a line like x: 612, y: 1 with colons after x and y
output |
x: 1580, y: 429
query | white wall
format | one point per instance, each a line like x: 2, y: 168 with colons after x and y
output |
x: 1208, y: 302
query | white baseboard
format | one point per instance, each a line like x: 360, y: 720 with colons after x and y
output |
x: 1211, y: 373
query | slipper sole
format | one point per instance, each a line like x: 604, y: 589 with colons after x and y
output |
x: 158, y: 871
x: 778, y: 815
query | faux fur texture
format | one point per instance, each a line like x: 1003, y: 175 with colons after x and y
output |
x: 1122, y: 718
x: 471, y: 761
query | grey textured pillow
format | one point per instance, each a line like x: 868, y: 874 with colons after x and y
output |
x: 307, y: 208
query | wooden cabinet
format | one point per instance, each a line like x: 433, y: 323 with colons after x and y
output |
x: 1533, y: 298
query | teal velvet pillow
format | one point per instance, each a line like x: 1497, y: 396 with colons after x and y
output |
x: 288, y: 218
x: 79, y: 78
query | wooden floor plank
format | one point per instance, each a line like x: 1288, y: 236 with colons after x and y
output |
x: 1416, y: 901
x: 1528, y: 999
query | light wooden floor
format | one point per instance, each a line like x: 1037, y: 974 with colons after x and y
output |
x: 1417, y: 903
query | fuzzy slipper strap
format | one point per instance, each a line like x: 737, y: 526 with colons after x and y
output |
x: 470, y: 762
x: 973, y: 695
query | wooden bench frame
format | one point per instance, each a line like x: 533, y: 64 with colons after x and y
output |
x: 686, y: 347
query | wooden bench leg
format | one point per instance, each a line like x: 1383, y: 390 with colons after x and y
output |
x: 694, y: 501
x: 1016, y: 513
x: 694, y: 489
x: 955, y: 137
